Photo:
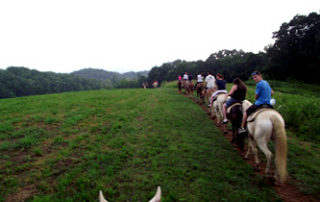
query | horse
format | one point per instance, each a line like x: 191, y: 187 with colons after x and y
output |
x: 201, y: 90
x: 188, y: 87
x: 268, y: 124
x: 217, y: 107
x: 179, y: 85
x: 156, y: 198
x: 235, y: 117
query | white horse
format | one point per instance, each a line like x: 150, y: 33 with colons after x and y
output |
x: 156, y: 198
x: 217, y: 107
x: 268, y: 124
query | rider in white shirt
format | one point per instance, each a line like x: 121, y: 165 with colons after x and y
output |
x: 199, y: 78
x: 185, y: 76
x: 211, y: 81
x: 211, y: 84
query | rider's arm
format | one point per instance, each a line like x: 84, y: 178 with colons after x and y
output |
x: 234, y: 87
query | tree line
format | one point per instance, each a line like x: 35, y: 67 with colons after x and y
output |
x: 21, y: 81
x: 295, y: 55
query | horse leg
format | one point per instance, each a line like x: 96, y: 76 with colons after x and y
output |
x: 249, y: 150
x: 255, y: 153
x: 263, y: 146
x: 234, y: 140
x: 217, y: 112
x: 262, y: 141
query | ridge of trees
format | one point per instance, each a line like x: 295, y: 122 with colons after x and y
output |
x: 21, y: 81
x: 100, y: 74
x: 294, y: 56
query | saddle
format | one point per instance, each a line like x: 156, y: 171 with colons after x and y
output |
x: 230, y: 107
x: 254, y: 114
x: 216, y: 96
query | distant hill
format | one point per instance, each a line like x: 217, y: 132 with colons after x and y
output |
x: 101, y: 74
x: 21, y: 81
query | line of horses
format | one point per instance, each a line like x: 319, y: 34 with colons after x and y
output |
x: 263, y: 125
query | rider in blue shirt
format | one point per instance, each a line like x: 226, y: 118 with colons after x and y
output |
x: 263, y: 89
x: 263, y: 96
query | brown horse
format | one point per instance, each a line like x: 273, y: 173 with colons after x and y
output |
x: 188, y: 86
x: 235, y: 117
x: 201, y: 91
x: 179, y: 85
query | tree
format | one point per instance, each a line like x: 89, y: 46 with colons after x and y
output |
x: 296, y: 52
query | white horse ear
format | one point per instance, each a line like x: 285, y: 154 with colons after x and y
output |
x: 157, y: 197
x: 101, y: 197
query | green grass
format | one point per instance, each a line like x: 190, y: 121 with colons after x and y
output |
x: 67, y: 147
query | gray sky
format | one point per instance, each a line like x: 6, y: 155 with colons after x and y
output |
x: 126, y: 35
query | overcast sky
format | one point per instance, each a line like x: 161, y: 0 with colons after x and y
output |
x: 134, y: 35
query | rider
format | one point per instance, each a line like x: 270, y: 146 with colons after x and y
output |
x: 199, y: 79
x: 221, y: 85
x: 185, y: 79
x: 210, y: 80
x: 263, y: 96
x: 179, y: 82
x: 185, y: 76
x: 238, y: 93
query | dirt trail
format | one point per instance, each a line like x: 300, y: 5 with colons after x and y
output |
x: 288, y: 192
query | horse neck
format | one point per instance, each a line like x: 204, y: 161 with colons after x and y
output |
x: 246, y: 104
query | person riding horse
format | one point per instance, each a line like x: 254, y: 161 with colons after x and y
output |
x: 211, y: 83
x: 221, y: 85
x: 185, y: 78
x: 263, y: 97
x: 179, y: 82
x: 238, y: 94
x: 200, y: 78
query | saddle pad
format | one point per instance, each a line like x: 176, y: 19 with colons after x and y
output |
x: 254, y: 114
x: 229, y: 108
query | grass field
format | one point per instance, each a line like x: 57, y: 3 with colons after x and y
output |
x: 67, y: 147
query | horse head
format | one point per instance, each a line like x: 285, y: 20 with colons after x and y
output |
x: 156, y: 198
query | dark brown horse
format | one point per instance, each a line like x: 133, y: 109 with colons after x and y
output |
x: 235, y: 117
x: 179, y: 85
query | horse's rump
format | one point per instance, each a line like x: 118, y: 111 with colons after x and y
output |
x: 254, y: 114
x: 266, y: 124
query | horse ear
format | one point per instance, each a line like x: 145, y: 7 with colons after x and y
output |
x: 157, y: 197
x: 101, y: 197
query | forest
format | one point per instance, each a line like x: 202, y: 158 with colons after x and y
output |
x: 295, y: 56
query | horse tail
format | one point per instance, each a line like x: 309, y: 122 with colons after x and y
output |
x: 280, y: 146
